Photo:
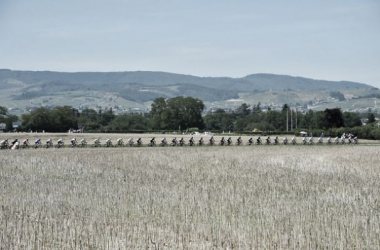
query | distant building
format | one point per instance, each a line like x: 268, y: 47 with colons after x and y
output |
x: 3, y: 126
x: 16, y: 125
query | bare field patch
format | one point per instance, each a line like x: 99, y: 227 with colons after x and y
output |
x: 269, y: 197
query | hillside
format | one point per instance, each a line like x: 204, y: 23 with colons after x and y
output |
x: 248, y: 83
x: 135, y: 90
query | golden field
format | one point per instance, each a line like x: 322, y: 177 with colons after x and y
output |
x: 258, y: 197
x: 146, y: 137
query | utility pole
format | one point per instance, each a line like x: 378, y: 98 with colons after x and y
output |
x: 287, y: 120
x: 296, y: 119
x: 291, y: 119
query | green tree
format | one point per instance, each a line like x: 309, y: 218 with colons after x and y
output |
x: 59, y: 119
x: 285, y: 107
x: 3, y: 115
x: 220, y: 121
x: 65, y: 118
x: 371, y: 118
x: 177, y: 112
x: 243, y: 111
x: 307, y: 120
x: 257, y: 108
x: 39, y: 119
x: 3, y: 112
x: 320, y: 121
x: 129, y: 122
x: 334, y: 118
x: 89, y: 119
x: 351, y: 120
x: 276, y: 119
x: 158, y: 108
x: 337, y: 95
x: 106, y: 116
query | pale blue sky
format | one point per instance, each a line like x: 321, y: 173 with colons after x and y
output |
x: 321, y: 39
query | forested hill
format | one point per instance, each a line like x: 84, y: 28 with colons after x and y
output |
x: 29, y: 88
x: 245, y: 84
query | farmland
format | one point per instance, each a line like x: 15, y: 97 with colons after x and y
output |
x: 146, y: 137
x: 260, y: 197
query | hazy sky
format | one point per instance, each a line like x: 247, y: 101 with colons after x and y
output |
x: 321, y: 39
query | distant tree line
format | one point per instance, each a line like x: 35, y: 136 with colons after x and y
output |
x: 184, y: 113
x: 178, y: 113
x: 333, y: 122
x: 246, y: 119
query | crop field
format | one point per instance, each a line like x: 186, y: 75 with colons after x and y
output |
x: 146, y: 137
x: 269, y: 197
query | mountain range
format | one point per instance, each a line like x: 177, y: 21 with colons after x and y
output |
x: 135, y: 90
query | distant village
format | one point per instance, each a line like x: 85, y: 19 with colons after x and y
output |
x: 211, y: 107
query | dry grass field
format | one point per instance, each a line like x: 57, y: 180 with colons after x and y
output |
x: 260, y: 197
x: 145, y: 137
